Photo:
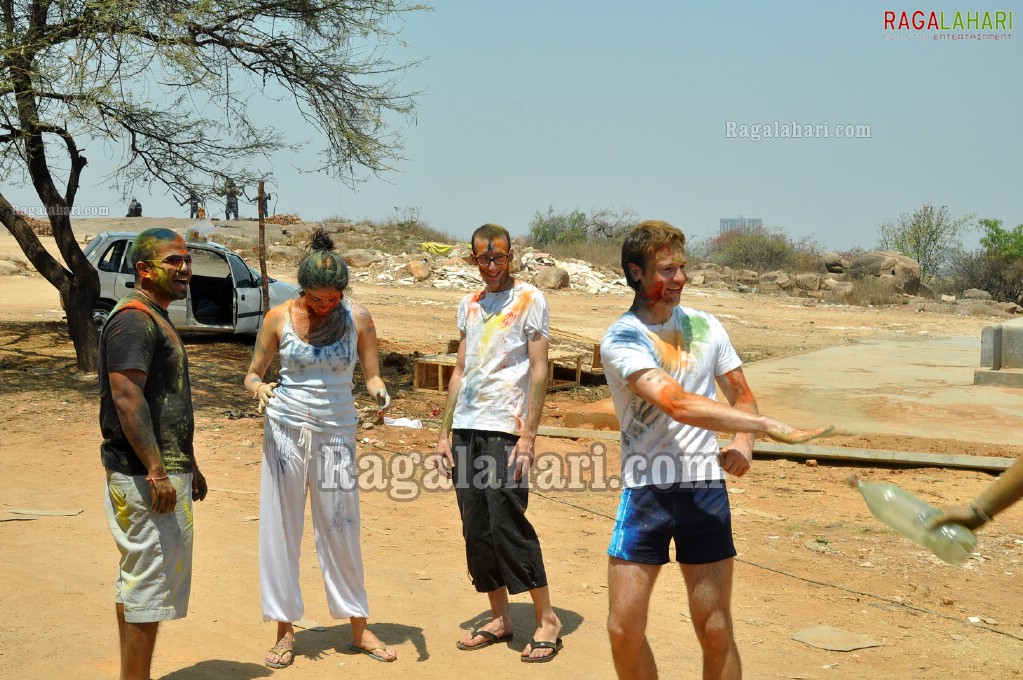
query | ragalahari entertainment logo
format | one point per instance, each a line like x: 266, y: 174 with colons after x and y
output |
x: 942, y: 25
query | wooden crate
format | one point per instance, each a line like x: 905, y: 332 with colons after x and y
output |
x: 432, y: 372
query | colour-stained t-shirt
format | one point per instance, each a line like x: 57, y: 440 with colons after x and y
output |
x: 693, y: 348
x: 495, y: 384
x: 139, y: 335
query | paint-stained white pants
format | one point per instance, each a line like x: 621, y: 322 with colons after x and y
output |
x: 296, y: 459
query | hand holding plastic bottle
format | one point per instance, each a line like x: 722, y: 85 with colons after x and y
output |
x: 909, y: 515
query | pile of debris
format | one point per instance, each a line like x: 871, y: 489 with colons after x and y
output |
x: 283, y: 219
x: 39, y: 227
x: 453, y: 270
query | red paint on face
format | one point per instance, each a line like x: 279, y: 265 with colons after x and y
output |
x: 664, y: 277
x: 320, y: 301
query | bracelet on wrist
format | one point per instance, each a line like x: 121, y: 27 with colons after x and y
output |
x: 153, y: 480
x: 980, y: 513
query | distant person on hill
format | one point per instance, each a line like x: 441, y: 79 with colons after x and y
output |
x: 266, y: 202
x: 134, y: 208
x: 662, y: 362
x: 193, y: 204
x: 230, y: 192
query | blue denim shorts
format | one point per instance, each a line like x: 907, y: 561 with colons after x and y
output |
x: 697, y: 518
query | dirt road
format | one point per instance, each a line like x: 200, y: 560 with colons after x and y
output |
x: 810, y: 554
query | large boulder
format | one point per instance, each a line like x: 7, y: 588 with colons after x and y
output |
x: 834, y: 263
x: 774, y: 282
x: 976, y: 294
x: 905, y: 271
x: 808, y: 282
x: 360, y: 258
x: 419, y: 269
x: 552, y: 278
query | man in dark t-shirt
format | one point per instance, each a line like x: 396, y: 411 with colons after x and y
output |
x: 147, y: 425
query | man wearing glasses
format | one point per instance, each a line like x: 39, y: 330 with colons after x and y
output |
x: 147, y: 425
x: 495, y: 397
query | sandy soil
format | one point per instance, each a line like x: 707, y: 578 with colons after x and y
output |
x: 810, y: 554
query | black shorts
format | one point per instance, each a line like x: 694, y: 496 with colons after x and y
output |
x: 501, y: 546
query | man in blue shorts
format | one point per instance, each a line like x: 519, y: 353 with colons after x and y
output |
x: 147, y: 425
x: 662, y: 362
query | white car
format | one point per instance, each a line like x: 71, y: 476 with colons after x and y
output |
x: 224, y: 296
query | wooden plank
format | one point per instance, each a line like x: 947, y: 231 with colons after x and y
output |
x: 986, y: 463
x: 577, y: 433
x: 864, y: 456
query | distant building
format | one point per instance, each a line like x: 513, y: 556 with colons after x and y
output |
x: 739, y: 223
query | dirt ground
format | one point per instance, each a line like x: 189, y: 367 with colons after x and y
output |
x: 809, y: 552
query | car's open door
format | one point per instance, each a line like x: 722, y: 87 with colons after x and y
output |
x: 248, y: 297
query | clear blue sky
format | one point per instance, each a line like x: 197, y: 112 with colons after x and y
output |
x: 588, y: 104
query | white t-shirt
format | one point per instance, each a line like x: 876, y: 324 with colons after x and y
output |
x: 495, y: 385
x: 693, y: 348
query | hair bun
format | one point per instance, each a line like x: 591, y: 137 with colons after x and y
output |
x: 321, y: 240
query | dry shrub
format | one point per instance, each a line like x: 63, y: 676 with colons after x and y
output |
x: 871, y: 291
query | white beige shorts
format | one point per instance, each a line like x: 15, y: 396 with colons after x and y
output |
x: 155, y: 574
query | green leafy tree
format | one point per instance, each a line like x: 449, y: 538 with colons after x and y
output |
x: 930, y: 236
x: 174, y: 84
x: 1007, y: 244
x: 996, y: 267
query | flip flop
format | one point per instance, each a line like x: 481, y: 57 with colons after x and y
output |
x: 280, y: 649
x: 542, y: 644
x: 491, y: 639
x: 369, y: 652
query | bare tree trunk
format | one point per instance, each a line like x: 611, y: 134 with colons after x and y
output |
x: 78, y: 283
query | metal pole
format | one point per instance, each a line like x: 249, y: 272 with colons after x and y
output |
x: 262, y: 250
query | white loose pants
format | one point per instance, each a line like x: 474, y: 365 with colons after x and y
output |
x: 296, y: 459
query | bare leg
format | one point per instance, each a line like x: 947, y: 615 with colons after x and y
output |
x: 138, y: 640
x: 500, y: 620
x: 364, y: 638
x: 710, y: 597
x: 548, y: 627
x: 629, y: 586
x: 283, y: 650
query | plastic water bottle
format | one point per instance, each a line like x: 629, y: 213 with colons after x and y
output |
x: 906, y: 513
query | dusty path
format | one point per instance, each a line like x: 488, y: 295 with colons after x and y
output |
x: 809, y: 553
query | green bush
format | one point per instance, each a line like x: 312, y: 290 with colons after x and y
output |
x: 551, y: 228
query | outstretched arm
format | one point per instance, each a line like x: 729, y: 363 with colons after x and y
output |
x: 1002, y: 493
x: 660, y: 389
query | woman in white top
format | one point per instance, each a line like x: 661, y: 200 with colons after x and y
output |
x: 309, y: 447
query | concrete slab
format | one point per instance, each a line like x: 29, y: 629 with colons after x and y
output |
x: 917, y: 386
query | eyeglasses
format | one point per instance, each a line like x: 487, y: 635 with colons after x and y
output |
x: 484, y: 261
x: 177, y: 261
